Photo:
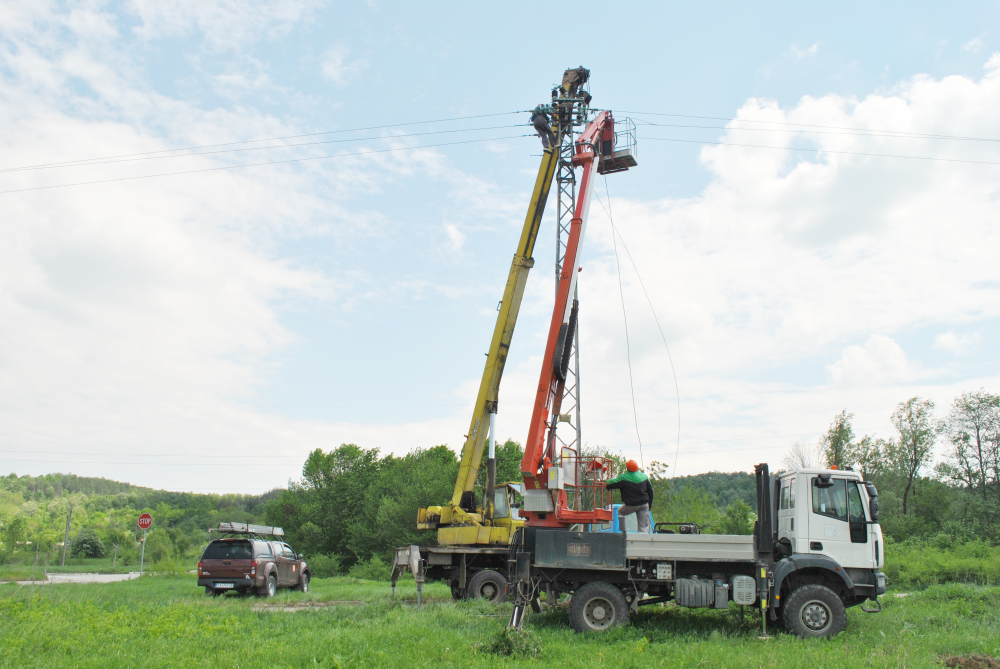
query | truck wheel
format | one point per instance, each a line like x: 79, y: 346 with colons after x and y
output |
x: 303, y: 585
x: 814, y: 611
x: 488, y: 585
x: 456, y: 593
x: 596, y: 607
x: 270, y: 587
x: 209, y: 590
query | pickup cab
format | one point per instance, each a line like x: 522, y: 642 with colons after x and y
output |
x: 251, y: 564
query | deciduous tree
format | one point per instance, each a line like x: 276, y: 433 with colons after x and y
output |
x: 918, y: 430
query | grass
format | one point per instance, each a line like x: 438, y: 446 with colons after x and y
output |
x: 169, y: 622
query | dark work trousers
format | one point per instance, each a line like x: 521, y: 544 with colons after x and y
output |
x: 544, y: 131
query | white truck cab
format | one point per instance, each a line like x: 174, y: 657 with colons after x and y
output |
x: 830, y: 512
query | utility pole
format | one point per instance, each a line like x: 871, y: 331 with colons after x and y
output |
x: 571, y: 106
x: 69, y: 516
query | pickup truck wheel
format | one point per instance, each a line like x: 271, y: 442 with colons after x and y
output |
x: 270, y: 587
x: 303, y: 585
x: 488, y: 585
x: 814, y: 611
x: 209, y: 590
x: 597, y: 606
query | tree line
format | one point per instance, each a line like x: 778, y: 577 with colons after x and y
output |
x: 958, y: 496
x: 353, y: 506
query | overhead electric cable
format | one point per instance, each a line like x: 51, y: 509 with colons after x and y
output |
x: 269, y: 162
x: 252, y: 148
x: 808, y: 125
x: 628, y: 348
x: 846, y: 133
x: 820, y: 150
x: 264, y: 139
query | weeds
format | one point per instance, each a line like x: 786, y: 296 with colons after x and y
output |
x: 511, y: 642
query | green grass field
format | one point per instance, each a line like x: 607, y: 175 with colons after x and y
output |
x: 170, y: 622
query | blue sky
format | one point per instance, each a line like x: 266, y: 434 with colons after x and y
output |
x: 267, y: 311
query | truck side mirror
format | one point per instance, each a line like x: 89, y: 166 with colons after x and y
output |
x: 873, y: 509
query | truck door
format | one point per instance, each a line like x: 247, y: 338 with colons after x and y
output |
x: 291, y: 565
x: 281, y: 563
x: 837, y: 523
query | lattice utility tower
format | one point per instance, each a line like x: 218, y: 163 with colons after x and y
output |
x: 571, y: 111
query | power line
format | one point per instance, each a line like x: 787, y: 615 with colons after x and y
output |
x: 673, y: 370
x: 250, y: 148
x: 270, y: 162
x: 819, y: 150
x: 807, y: 125
x: 264, y: 139
x: 628, y: 347
x: 849, y: 133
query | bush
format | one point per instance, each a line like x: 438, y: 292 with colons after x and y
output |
x: 373, y: 570
x: 511, y: 642
x: 323, y: 566
x: 922, y: 563
x: 87, y: 544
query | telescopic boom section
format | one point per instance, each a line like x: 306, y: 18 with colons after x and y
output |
x: 549, y: 475
x: 503, y: 332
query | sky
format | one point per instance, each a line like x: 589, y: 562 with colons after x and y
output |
x: 234, y: 232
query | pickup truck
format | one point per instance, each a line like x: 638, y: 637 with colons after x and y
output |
x: 245, y: 561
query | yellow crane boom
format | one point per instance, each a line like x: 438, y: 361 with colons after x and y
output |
x: 460, y: 515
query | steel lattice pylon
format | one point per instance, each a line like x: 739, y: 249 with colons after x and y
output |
x: 571, y: 113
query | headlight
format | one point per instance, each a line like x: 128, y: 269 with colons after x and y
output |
x: 880, y: 580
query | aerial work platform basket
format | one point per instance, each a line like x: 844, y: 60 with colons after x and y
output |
x: 621, y: 155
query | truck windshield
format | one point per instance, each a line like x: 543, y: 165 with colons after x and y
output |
x: 500, y: 507
x: 228, y: 550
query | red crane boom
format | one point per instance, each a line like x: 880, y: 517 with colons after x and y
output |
x: 561, y: 489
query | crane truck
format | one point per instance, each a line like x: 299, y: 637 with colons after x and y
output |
x: 474, y: 533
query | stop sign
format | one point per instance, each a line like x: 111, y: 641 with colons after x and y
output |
x: 145, y: 521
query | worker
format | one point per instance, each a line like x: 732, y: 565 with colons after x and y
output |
x: 540, y: 120
x: 637, y: 496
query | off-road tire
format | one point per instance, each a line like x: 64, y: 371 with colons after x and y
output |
x: 597, y: 607
x: 303, y: 585
x: 814, y: 611
x: 270, y: 587
x: 488, y: 585
x: 456, y: 593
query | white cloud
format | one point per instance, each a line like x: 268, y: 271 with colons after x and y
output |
x: 974, y: 45
x: 880, y: 360
x: 956, y: 343
x: 225, y: 24
x: 784, y: 256
x: 805, y: 53
x: 337, y: 68
x: 455, y: 237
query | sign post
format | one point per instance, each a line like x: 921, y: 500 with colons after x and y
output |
x: 145, y: 522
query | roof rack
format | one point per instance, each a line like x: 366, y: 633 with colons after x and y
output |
x: 248, y: 528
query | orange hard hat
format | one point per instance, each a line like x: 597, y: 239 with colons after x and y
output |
x: 632, y: 466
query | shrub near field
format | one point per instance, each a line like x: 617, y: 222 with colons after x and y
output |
x: 919, y: 563
x: 168, y: 622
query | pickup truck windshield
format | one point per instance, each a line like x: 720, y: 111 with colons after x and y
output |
x: 228, y: 550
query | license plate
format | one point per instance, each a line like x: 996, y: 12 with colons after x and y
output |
x: 222, y: 586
